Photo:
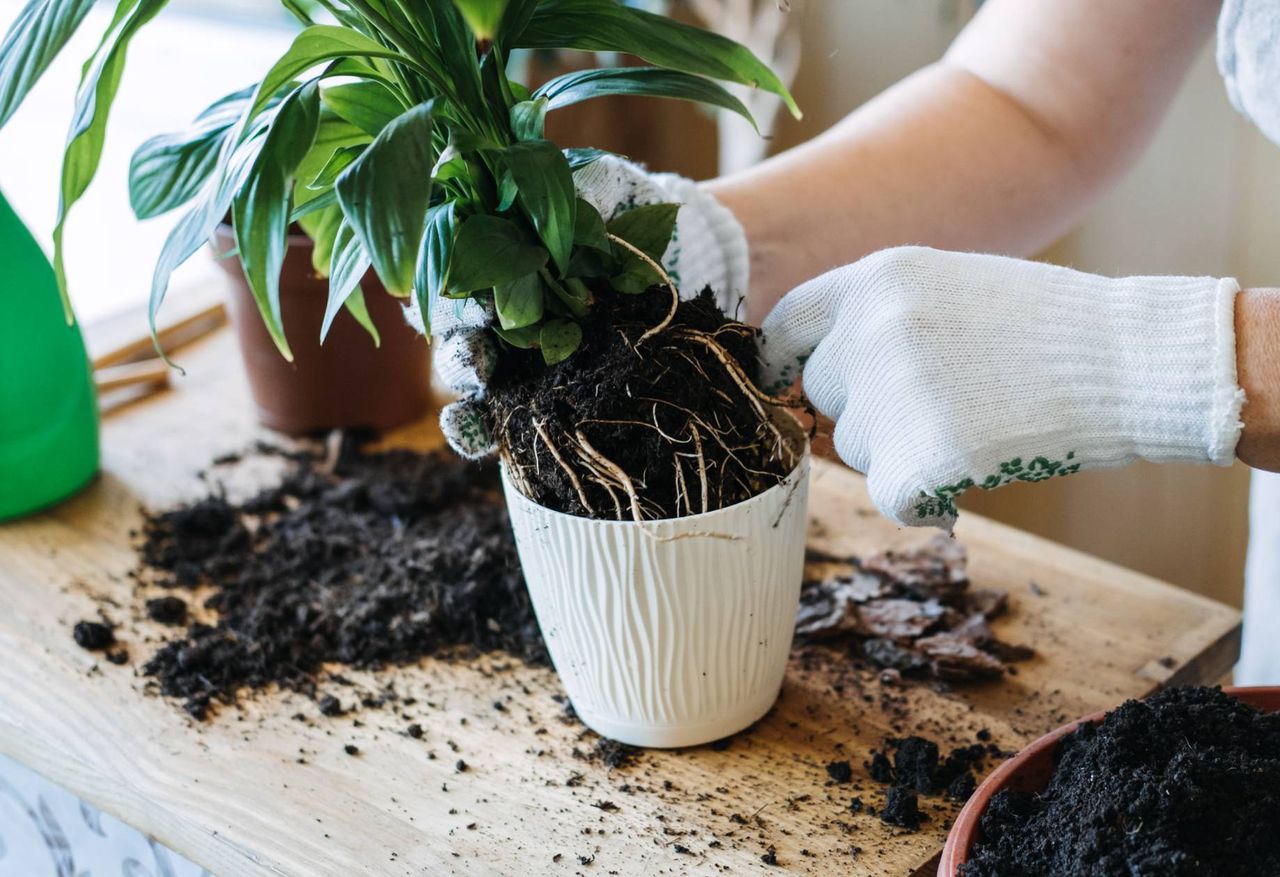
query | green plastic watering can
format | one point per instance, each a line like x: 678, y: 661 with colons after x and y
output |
x: 48, y: 408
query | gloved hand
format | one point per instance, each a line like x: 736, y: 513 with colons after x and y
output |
x: 709, y: 248
x: 945, y: 371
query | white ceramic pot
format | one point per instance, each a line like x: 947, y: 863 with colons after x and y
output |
x: 673, y: 632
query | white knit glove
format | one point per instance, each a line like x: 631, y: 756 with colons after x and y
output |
x: 945, y: 371
x: 708, y: 249
x: 1248, y: 33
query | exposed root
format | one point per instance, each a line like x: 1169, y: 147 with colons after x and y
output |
x: 613, y: 469
x: 568, y: 470
x: 666, y: 279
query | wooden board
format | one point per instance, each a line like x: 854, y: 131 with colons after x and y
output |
x: 260, y: 792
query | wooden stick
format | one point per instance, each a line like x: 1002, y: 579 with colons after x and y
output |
x: 172, y: 337
x: 152, y: 372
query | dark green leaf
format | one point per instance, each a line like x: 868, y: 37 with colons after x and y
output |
x: 527, y: 118
x: 519, y: 303
x: 571, y: 297
x: 368, y: 105
x: 322, y: 201
x: 581, y: 85
x: 349, y: 266
x: 507, y: 192
x: 524, y: 338
x: 589, y: 229
x: 546, y: 193
x: 433, y: 260
x: 482, y: 16
x: 607, y: 26
x: 385, y: 195
x: 98, y: 85
x: 514, y: 20
x: 333, y: 135
x: 648, y: 228
x: 322, y: 227
x: 357, y: 308
x: 260, y: 208
x: 339, y: 161
x: 34, y: 39
x: 171, y: 169
x: 580, y: 157
x: 489, y: 250
x: 559, y: 339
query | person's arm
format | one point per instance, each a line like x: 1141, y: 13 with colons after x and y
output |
x: 1000, y: 146
x: 1258, y: 373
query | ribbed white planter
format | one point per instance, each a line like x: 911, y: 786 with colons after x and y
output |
x: 672, y: 632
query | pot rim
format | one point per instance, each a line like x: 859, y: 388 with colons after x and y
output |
x: 789, y: 482
x: 964, y: 831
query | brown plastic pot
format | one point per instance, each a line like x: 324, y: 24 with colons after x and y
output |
x: 1030, y: 771
x: 346, y: 383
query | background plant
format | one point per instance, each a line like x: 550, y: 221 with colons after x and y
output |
x: 394, y: 136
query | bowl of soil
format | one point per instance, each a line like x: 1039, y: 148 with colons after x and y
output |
x: 351, y: 380
x: 1178, y: 784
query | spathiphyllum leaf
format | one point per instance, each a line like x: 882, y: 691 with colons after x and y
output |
x: 322, y: 227
x: 260, y: 209
x: 582, y: 85
x: 589, y: 229
x: 356, y: 306
x: 433, y: 260
x: 608, y: 26
x: 333, y: 136
x: 559, y: 339
x: 349, y: 265
x: 385, y: 195
x: 98, y: 86
x: 580, y: 157
x: 370, y: 106
x: 648, y: 228
x: 339, y: 161
x: 528, y: 119
x: 545, y: 181
x: 519, y: 303
x: 169, y: 170
x: 488, y: 251
x: 482, y: 16
x: 34, y: 39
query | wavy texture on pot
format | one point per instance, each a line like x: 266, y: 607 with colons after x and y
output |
x: 392, y: 134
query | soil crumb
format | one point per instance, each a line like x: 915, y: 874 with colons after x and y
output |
x: 913, y: 766
x: 1184, y: 783
x: 93, y: 635
x: 366, y: 560
x: 677, y: 414
x: 911, y: 613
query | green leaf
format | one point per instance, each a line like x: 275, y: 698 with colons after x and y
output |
x: 322, y: 201
x: 385, y: 195
x: 514, y: 20
x: 316, y: 45
x: 582, y: 85
x: 589, y: 229
x: 559, y: 339
x: 342, y: 158
x: 99, y: 83
x: 507, y: 192
x: 260, y: 208
x: 527, y: 118
x: 488, y: 251
x: 433, y: 260
x: 368, y: 105
x: 580, y: 157
x: 356, y: 307
x: 322, y: 227
x: 648, y: 228
x: 546, y: 189
x: 33, y: 40
x: 519, y: 303
x: 333, y: 135
x: 607, y: 26
x: 349, y: 266
x: 523, y: 338
x: 482, y: 16
x: 171, y: 169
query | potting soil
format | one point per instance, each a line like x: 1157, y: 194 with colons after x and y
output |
x: 1184, y: 783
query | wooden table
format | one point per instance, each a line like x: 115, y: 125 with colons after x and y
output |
x: 259, y: 792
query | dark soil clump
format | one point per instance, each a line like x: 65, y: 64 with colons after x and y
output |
x: 93, y: 635
x: 901, y: 808
x: 912, y: 613
x: 167, y: 610
x: 676, y: 414
x: 372, y: 559
x: 1184, y: 783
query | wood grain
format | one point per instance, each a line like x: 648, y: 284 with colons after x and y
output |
x: 258, y: 792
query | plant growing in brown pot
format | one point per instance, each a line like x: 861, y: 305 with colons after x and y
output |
x: 657, y: 495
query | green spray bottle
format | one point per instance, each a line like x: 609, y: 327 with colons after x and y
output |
x: 48, y: 408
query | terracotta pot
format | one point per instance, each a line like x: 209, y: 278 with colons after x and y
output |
x: 346, y: 383
x: 1030, y: 771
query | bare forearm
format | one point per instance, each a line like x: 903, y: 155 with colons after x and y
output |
x: 1000, y: 147
x: 1258, y: 373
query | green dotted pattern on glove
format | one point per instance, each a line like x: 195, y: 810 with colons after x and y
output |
x: 941, y: 501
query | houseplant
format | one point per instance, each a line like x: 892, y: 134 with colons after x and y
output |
x: 454, y: 194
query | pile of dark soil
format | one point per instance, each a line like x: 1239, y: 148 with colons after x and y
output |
x: 366, y: 560
x: 1185, y: 783
x: 911, y: 612
x: 634, y: 427
x: 914, y: 766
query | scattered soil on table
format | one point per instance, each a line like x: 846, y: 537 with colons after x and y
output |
x: 1184, y: 783
x: 912, y: 613
x: 675, y: 417
x: 367, y: 559
x: 93, y: 635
